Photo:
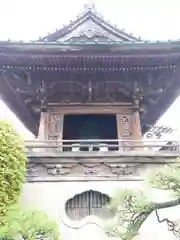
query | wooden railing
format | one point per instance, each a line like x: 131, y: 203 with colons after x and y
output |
x: 97, y: 160
x: 91, y: 145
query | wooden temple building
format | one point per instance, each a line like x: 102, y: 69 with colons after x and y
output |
x: 88, y: 92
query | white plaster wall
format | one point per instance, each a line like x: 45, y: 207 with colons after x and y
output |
x: 51, y: 198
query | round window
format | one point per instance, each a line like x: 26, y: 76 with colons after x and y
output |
x: 88, y: 203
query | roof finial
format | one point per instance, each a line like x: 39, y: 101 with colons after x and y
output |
x: 89, y: 5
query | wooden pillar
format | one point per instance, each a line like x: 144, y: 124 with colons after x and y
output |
x: 42, y: 134
x: 137, y: 133
x: 118, y: 118
x: 124, y: 129
x: 55, y: 127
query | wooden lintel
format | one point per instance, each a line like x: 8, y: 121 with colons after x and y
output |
x: 91, y: 104
x: 138, y: 154
x: 91, y: 109
x: 81, y: 179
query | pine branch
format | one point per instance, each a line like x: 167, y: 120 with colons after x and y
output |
x: 167, y: 204
x: 171, y: 225
x: 137, y: 222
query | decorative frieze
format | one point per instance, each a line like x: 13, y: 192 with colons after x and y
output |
x: 65, y: 171
x: 93, y: 166
x: 81, y: 170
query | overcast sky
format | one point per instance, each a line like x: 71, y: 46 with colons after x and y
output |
x: 150, y: 19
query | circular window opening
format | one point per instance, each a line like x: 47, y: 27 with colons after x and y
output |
x: 88, y: 203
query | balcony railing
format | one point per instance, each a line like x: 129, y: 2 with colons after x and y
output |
x: 91, y: 145
x: 96, y: 159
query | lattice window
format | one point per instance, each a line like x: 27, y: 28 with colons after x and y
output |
x: 88, y: 203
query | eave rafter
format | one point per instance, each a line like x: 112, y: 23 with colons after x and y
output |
x: 14, y: 101
x: 151, y: 91
x: 170, y: 92
x: 84, y: 64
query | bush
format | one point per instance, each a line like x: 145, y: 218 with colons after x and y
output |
x: 28, y: 224
x: 16, y: 222
x: 12, y: 167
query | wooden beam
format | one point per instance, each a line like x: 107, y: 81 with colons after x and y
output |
x: 131, y: 156
x: 28, y: 92
x: 28, y: 78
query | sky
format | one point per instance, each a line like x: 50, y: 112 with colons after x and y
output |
x: 150, y: 19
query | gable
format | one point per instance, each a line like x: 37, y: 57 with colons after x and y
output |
x: 90, y: 28
x: 89, y: 31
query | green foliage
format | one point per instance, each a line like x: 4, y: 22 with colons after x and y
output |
x: 129, y: 198
x: 28, y: 224
x: 16, y: 222
x: 12, y: 167
x: 167, y: 178
x: 128, y: 204
x: 133, y: 207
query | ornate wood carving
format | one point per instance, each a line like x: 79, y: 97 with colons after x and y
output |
x: 55, y: 127
x: 55, y: 124
x: 58, y: 169
x: 32, y: 171
x: 124, y: 125
x: 123, y: 169
x: 82, y: 170
x: 90, y: 37
x: 124, y: 122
